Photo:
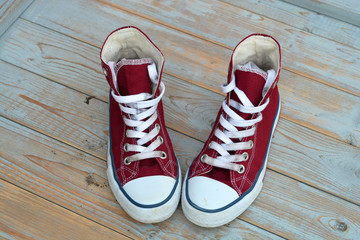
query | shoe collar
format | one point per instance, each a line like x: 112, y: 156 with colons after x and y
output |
x: 255, y: 48
x: 136, y: 45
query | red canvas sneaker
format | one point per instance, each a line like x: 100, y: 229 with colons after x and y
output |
x: 227, y: 175
x: 143, y: 172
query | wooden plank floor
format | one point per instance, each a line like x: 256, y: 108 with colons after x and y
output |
x: 54, y: 118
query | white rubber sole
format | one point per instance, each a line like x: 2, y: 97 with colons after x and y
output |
x: 143, y: 214
x: 219, y: 218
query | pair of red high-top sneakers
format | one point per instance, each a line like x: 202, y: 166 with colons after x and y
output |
x: 227, y: 175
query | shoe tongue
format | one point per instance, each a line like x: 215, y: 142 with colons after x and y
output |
x: 133, y: 76
x: 250, y: 79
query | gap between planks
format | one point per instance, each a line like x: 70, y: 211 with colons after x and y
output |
x: 253, y: 213
x: 186, y: 135
x: 280, y: 5
x: 56, y: 82
x: 27, y: 71
x: 220, y: 44
x: 86, y: 94
x: 142, y: 229
x: 56, y: 139
x: 346, y: 11
x: 62, y: 207
x: 179, y: 132
x: 217, y: 91
x: 11, y: 14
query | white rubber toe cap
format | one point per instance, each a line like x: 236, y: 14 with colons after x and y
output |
x: 210, y: 194
x: 150, y: 190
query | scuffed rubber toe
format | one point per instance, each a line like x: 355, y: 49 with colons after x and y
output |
x: 210, y: 194
x: 150, y: 190
x: 148, y: 199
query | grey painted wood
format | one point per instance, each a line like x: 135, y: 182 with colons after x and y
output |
x: 62, y: 113
x: 174, y: 25
x: 304, y: 19
x: 53, y: 136
x: 10, y: 10
x: 76, y: 64
x: 344, y: 10
x: 77, y: 181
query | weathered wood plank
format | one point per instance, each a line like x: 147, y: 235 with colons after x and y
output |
x: 10, y: 10
x: 306, y: 20
x: 53, y: 109
x: 317, y: 160
x: 312, y: 214
x: 78, y: 182
x: 75, y: 64
x: 347, y: 11
x: 27, y: 216
x: 60, y: 112
x: 303, y: 53
x: 293, y: 148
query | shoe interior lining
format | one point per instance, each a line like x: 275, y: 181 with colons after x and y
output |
x: 130, y: 43
x: 261, y: 50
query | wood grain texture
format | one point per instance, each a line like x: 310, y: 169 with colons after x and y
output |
x: 27, y: 216
x: 303, y: 53
x: 303, y: 19
x: 54, y: 100
x: 62, y: 113
x: 10, y: 10
x: 78, y: 182
x: 288, y: 200
x: 317, y: 160
x: 75, y: 64
x: 347, y: 11
x: 53, y: 109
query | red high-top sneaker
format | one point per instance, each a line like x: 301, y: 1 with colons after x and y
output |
x: 227, y: 175
x: 142, y: 169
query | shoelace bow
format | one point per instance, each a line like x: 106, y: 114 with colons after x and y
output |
x: 226, y: 160
x: 139, y: 107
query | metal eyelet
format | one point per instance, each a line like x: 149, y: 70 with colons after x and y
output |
x: 251, y: 144
x: 203, y: 157
x: 127, y: 161
x: 126, y: 147
x: 161, y: 139
x: 246, y: 156
x: 157, y: 126
x: 163, y: 155
x: 241, y: 169
x: 105, y: 72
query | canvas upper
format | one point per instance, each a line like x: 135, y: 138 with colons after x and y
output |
x: 210, y: 187
x: 141, y: 177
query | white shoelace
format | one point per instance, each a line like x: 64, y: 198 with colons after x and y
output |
x: 140, y: 107
x: 226, y: 160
